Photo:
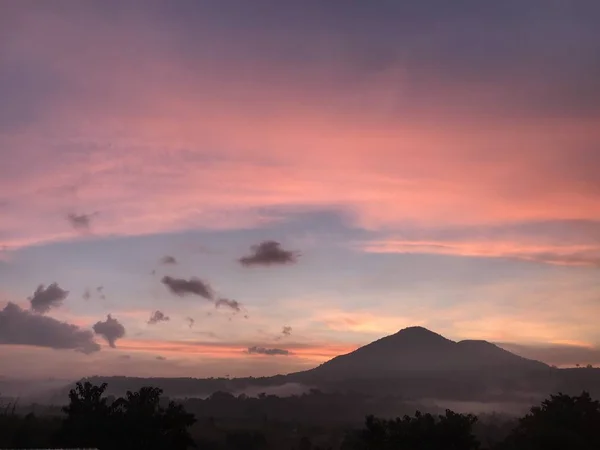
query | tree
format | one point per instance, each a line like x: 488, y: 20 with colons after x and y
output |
x: 144, y: 424
x: 135, y: 422
x: 560, y: 422
x: 88, y: 416
x: 451, y: 431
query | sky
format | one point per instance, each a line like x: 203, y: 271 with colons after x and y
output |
x: 234, y: 188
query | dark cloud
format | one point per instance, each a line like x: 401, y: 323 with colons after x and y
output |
x: 161, y: 358
x: 80, y: 222
x: 269, y: 253
x: 286, y: 331
x: 86, y: 294
x: 111, y: 330
x: 45, y: 298
x: 124, y: 356
x: 181, y: 287
x: 267, y: 351
x: 233, y: 304
x: 190, y: 321
x: 21, y: 327
x: 158, y: 316
x: 168, y: 260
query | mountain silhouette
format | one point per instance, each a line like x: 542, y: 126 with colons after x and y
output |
x: 418, y: 350
x: 412, y: 363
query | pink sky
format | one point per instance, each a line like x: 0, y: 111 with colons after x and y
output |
x: 422, y: 181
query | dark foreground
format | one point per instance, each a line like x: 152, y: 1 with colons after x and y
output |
x: 145, y: 420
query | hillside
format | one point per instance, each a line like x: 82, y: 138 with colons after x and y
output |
x: 414, y: 363
x: 416, y: 350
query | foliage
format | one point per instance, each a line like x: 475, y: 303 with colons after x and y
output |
x: 561, y: 422
x: 451, y: 431
x: 135, y: 422
x: 145, y: 419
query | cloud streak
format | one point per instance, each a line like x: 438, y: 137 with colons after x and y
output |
x: 567, y: 255
x: 227, y: 303
x: 21, y: 327
x: 267, y: 351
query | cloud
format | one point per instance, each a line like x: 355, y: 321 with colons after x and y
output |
x: 86, y: 294
x: 190, y: 321
x: 168, y: 260
x: 269, y: 253
x: 124, y: 356
x: 158, y: 316
x: 181, y: 287
x: 394, y: 170
x: 80, y: 222
x: 586, y: 255
x: 45, y: 298
x: 161, y: 358
x: 562, y: 355
x: 286, y: 331
x: 233, y: 304
x: 100, y: 290
x: 267, y: 351
x: 21, y: 327
x: 111, y: 330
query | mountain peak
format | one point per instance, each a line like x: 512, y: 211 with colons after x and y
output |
x: 417, y: 335
x: 416, y: 330
x: 417, y: 349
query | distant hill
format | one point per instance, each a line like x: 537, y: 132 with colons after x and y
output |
x: 417, y: 350
x: 414, y: 363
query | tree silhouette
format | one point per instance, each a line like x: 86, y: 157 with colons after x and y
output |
x: 144, y: 424
x: 451, y: 431
x: 88, y: 416
x: 137, y: 421
x: 561, y: 422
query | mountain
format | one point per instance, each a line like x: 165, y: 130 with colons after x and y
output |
x: 416, y: 350
x: 414, y: 363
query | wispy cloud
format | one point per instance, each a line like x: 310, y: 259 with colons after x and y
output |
x: 80, y: 222
x: 570, y: 255
x: 225, y: 302
x: 158, y: 316
x: 168, y: 260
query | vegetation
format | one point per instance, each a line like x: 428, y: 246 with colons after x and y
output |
x: 143, y: 419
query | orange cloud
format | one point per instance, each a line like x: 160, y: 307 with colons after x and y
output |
x: 187, y: 349
x: 571, y: 255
